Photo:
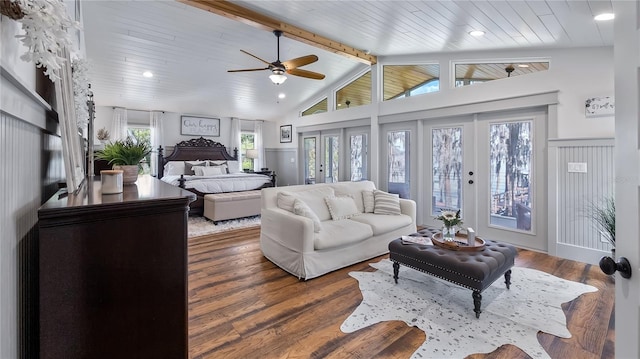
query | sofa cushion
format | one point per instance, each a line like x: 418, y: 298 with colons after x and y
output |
x: 314, y: 198
x: 353, y: 189
x: 386, y: 203
x: 340, y: 233
x: 301, y: 209
x: 341, y: 207
x: 382, y: 224
x: 368, y: 201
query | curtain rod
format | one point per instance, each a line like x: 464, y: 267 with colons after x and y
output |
x: 133, y: 109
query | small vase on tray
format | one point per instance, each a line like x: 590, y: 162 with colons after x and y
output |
x: 448, y: 233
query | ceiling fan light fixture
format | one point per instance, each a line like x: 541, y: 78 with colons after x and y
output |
x: 277, y: 78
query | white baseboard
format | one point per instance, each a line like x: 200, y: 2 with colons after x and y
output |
x: 581, y: 254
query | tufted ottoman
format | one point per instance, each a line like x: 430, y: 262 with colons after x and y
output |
x: 473, y: 270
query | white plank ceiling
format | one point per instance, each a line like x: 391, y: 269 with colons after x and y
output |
x: 190, y: 50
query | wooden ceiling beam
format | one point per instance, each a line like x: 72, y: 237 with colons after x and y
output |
x: 232, y: 11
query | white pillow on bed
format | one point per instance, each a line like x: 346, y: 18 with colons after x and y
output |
x: 198, y: 170
x: 213, y: 170
x: 174, y: 168
x: 234, y: 167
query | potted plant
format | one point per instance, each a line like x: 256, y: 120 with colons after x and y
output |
x: 125, y: 155
x: 604, y: 216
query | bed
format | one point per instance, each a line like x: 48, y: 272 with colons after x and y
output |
x: 204, y: 167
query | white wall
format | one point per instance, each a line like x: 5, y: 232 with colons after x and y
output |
x: 576, y: 73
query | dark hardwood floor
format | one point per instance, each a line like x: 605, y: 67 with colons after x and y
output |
x: 243, y: 306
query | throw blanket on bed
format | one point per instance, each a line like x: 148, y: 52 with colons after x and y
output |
x: 233, y: 182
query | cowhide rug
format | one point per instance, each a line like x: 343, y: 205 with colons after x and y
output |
x: 444, y: 311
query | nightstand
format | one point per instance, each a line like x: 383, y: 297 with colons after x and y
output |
x: 269, y: 173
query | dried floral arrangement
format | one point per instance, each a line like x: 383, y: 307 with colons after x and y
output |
x: 81, y: 90
x: 46, y: 26
x: 103, y: 134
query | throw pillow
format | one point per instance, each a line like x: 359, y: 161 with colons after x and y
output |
x: 386, y: 203
x: 188, y: 167
x: 368, y: 201
x: 342, y: 207
x: 285, y: 200
x: 198, y: 170
x: 301, y: 209
x: 213, y: 170
x: 174, y: 168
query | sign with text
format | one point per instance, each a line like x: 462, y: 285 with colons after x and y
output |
x: 200, y: 126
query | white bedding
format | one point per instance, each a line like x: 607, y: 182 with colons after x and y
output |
x: 232, y: 182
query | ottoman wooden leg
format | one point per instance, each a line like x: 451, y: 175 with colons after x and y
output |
x: 396, y: 269
x: 477, y: 301
x: 507, y: 278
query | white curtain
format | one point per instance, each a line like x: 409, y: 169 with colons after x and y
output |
x: 155, y: 124
x: 119, y: 131
x: 257, y: 142
x: 235, y: 143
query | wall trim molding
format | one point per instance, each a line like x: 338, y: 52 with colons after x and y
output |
x: 21, y: 102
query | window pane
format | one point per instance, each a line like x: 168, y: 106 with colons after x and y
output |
x: 447, y: 169
x: 410, y: 80
x: 356, y: 93
x: 469, y: 74
x: 331, y: 158
x: 358, y: 145
x: 142, y: 134
x: 310, y: 160
x: 319, y: 107
x: 398, y: 162
x: 247, y: 142
x: 511, y: 193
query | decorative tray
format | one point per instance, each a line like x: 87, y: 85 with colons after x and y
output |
x: 459, y: 243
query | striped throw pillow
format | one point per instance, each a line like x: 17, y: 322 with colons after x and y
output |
x: 368, y: 201
x: 386, y: 203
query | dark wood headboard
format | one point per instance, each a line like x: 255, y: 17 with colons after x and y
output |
x: 195, y: 149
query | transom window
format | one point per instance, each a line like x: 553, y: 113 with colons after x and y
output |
x: 473, y: 73
x: 410, y: 80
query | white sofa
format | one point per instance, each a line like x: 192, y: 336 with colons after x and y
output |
x: 293, y: 243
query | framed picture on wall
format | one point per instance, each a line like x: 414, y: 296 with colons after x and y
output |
x: 285, y: 133
x: 200, y: 126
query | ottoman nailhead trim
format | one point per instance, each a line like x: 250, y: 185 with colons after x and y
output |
x: 435, y: 275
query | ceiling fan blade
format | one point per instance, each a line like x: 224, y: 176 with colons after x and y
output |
x: 256, y: 57
x: 306, y: 73
x: 245, y: 70
x: 300, y: 61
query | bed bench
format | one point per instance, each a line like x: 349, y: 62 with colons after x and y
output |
x: 231, y: 205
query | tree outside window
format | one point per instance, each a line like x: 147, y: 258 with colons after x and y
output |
x: 139, y: 135
x: 247, y: 142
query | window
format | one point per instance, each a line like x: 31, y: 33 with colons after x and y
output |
x: 319, y: 107
x: 410, y: 80
x: 358, y: 149
x: 398, y: 162
x: 142, y: 134
x: 247, y: 142
x: 356, y: 93
x: 472, y: 73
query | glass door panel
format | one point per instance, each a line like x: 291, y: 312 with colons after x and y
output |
x: 511, y: 146
x: 447, y: 164
x: 309, y: 144
x: 358, y: 157
x: 398, y: 162
x: 331, y: 151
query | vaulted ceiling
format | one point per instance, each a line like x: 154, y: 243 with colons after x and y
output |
x: 189, y: 50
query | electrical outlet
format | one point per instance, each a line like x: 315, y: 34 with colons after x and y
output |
x: 577, y: 167
x: 293, y: 160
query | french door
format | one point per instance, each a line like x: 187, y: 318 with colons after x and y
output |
x: 321, y: 157
x: 491, y: 167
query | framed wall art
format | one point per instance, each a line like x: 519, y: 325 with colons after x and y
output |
x: 285, y: 133
x: 199, y: 126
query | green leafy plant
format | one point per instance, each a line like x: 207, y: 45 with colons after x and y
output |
x: 122, y: 153
x: 604, y: 216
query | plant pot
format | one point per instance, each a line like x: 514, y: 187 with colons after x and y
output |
x: 130, y: 173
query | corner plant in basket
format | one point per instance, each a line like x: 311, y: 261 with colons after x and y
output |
x: 450, y: 219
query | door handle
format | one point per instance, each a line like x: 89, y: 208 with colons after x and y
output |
x: 470, y: 173
x: 470, y: 181
x: 609, y: 266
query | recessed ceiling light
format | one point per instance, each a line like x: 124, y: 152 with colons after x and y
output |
x: 147, y: 74
x: 281, y: 96
x: 476, y: 33
x: 604, y: 16
x: 523, y: 65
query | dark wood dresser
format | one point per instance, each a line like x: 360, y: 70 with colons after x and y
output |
x: 113, y: 272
